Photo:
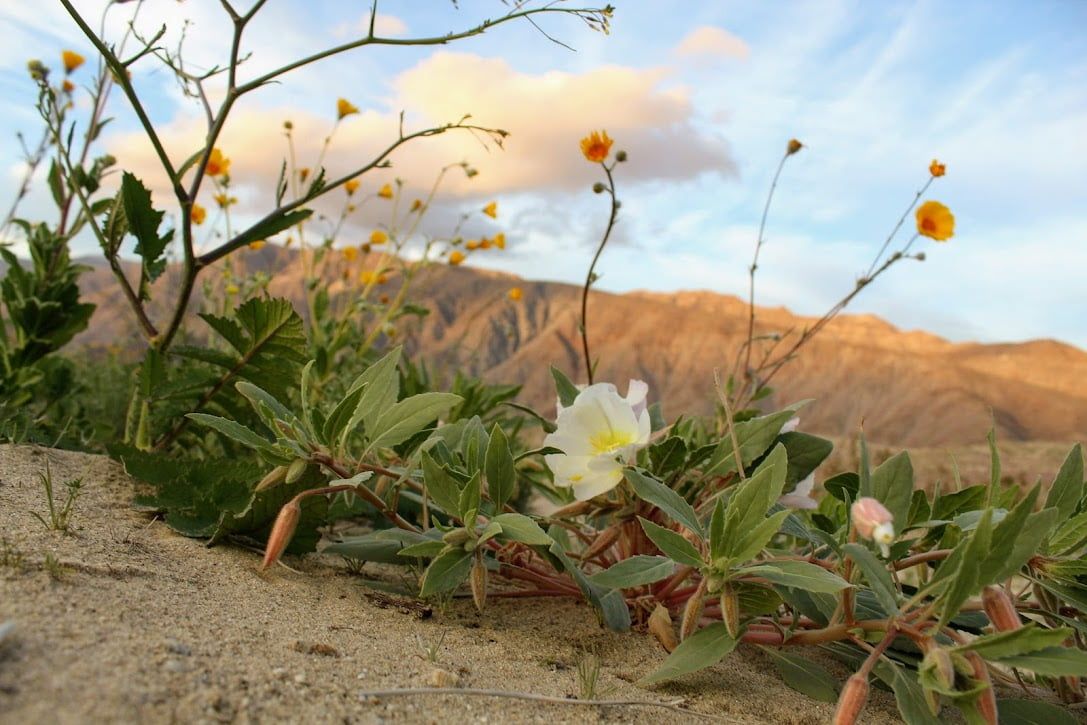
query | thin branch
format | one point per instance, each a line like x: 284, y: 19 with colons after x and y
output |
x: 590, y: 278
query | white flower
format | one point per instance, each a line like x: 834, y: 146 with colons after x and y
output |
x: 800, y: 497
x: 599, y: 434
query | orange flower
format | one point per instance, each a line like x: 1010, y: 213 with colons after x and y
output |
x: 67, y: 86
x: 378, y: 236
x: 72, y: 60
x: 350, y: 253
x: 344, y: 108
x: 596, y: 146
x: 456, y: 257
x: 382, y: 278
x: 199, y: 214
x: 936, y: 168
x: 500, y: 240
x: 934, y: 220
x: 793, y: 146
x: 515, y: 294
x: 491, y: 210
x: 224, y: 201
x: 386, y: 192
x: 417, y: 205
x: 367, y: 276
x: 351, y: 186
x: 472, y: 244
x: 257, y: 244
x: 485, y: 243
x: 218, y: 165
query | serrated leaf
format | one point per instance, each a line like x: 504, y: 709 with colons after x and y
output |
x: 667, y: 500
x: 143, y: 223
x: 755, y: 437
x: 270, y: 225
x: 798, y: 575
x: 703, y: 649
x: 1026, y: 639
x: 672, y: 543
x: 634, y: 572
x: 804, y: 675
x: 1070, y: 536
x: 1052, y: 661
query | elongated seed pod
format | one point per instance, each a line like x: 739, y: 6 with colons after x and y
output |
x: 692, y: 612
x: 282, y: 531
x: 1000, y: 610
x: 730, y: 610
x: 274, y: 477
x: 602, y: 542
x: 660, y: 624
x: 852, y: 700
x: 479, y: 583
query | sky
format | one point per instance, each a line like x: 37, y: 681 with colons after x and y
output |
x: 703, y: 97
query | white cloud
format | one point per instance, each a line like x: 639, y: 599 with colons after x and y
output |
x: 707, y: 40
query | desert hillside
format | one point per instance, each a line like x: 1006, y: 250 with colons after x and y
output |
x: 908, y: 388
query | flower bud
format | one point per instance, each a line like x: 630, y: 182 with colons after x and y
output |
x: 598, y: 188
x: 852, y: 700
x: 37, y: 70
x: 730, y: 611
x: 986, y: 702
x: 456, y: 537
x: 937, y: 661
x: 479, y: 583
x: 288, y: 125
x: 282, y: 531
x: 273, y: 478
x: 793, y: 146
x: 296, y: 469
x: 692, y: 612
x: 621, y: 156
x: 660, y: 624
x: 873, y: 521
x: 1000, y: 610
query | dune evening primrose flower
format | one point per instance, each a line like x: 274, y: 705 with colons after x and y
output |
x: 596, y: 146
x: 378, y: 236
x: 199, y: 214
x: 491, y: 210
x: 515, y: 294
x: 598, y: 434
x: 874, y: 522
x: 218, y: 165
x: 934, y: 220
x: 345, y: 108
x: 456, y: 257
x: 800, y: 497
x: 936, y: 168
x: 386, y: 192
x: 71, y: 60
x: 351, y: 186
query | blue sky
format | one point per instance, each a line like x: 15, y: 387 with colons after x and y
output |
x: 704, y: 101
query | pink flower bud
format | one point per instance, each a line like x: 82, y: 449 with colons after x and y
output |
x: 852, y: 700
x: 873, y: 521
x: 282, y: 532
x: 1000, y: 609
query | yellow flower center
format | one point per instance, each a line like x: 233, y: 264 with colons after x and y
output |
x: 610, y: 441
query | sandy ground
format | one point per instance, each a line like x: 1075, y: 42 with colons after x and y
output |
x: 144, y: 625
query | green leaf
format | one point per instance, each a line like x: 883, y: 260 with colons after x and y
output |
x: 470, y: 496
x: 383, y: 546
x: 440, y: 485
x: 1033, y: 712
x: 566, y: 390
x: 750, y: 500
x: 845, y: 486
x: 879, y: 579
x: 909, y: 697
x: 667, y: 455
x: 1052, y: 661
x: 965, y: 581
x: 1067, y: 488
x: 672, y: 543
x: 518, y: 527
x: 804, y: 675
x: 270, y: 225
x: 501, y: 477
x: 409, y: 416
x: 634, y: 572
x: 446, y: 572
x: 423, y: 550
x: 703, y: 649
x: 1026, y: 639
x: 892, y: 485
x: 143, y: 223
x: 608, y: 602
x: 1013, y: 543
x: 750, y: 543
x: 797, y: 574
x: 667, y: 500
x: 755, y: 436
x: 382, y: 385
x: 805, y: 453
x: 231, y: 429
x: 1070, y: 536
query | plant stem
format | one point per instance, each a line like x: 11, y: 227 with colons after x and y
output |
x: 589, y: 278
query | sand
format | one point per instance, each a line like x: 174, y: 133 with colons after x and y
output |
x: 144, y: 625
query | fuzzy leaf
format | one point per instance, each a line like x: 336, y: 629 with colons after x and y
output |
x: 634, y: 572
x: 672, y: 543
x: 703, y: 649
x: 409, y: 416
x: 501, y: 477
x: 1067, y: 488
x: 518, y: 527
x: 446, y: 572
x: 804, y: 675
x: 667, y: 500
x: 797, y: 574
x: 879, y: 579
